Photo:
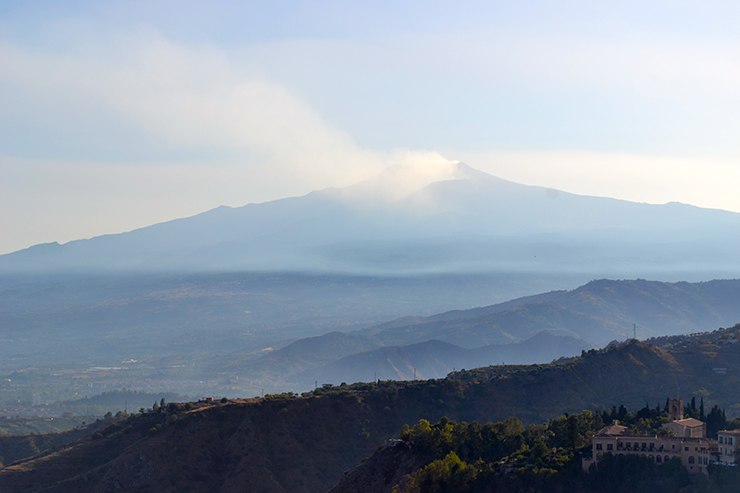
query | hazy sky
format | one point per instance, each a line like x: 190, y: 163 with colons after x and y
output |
x: 116, y: 115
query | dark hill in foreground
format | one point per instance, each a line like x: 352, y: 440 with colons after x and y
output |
x: 305, y: 444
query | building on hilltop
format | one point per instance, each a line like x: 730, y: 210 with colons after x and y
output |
x: 695, y: 453
x: 687, y: 428
x: 675, y: 409
x: 689, y: 442
x: 727, y: 440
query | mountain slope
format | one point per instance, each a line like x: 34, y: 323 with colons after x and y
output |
x: 599, y: 311
x: 429, y: 359
x: 435, y: 359
x: 431, y: 347
x: 466, y: 220
x: 18, y: 447
x: 508, y: 326
x: 303, y: 355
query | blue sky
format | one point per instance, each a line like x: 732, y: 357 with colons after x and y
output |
x: 116, y: 115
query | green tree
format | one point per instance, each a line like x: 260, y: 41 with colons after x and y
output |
x: 715, y: 421
x: 442, y: 476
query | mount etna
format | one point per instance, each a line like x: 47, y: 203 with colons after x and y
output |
x: 409, y: 221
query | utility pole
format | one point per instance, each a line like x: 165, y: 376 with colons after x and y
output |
x: 634, y: 331
x: 414, y: 373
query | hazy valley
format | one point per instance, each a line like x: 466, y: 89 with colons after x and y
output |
x: 170, y: 346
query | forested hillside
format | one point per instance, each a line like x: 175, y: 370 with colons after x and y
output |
x: 506, y: 457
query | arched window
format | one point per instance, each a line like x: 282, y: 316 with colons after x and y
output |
x: 666, y: 458
x: 658, y: 459
x: 691, y: 459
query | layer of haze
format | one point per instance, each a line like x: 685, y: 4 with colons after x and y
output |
x: 114, y: 116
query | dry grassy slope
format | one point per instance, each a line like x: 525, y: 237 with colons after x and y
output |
x: 305, y: 445
x: 19, y: 447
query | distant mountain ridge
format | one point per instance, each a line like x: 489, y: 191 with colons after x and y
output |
x: 599, y: 311
x: 404, y: 221
x: 436, y: 359
x: 532, y: 329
